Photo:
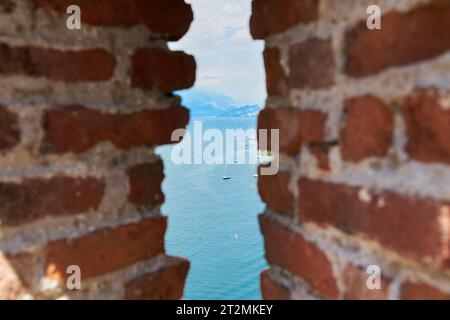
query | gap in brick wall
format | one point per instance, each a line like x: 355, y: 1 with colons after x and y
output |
x: 213, y: 222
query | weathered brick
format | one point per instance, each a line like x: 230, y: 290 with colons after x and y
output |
x: 427, y: 123
x: 290, y: 251
x: 37, y: 198
x: 54, y: 214
x: 368, y: 130
x: 145, y: 184
x: 421, y: 291
x: 391, y: 219
x: 311, y: 64
x: 77, y: 129
x: 321, y: 151
x: 274, y: 191
x: 355, y: 281
x: 67, y: 66
x: 168, y: 18
x: 17, y: 274
x: 160, y: 69
x: 106, y: 250
x: 405, y: 38
x: 9, y: 129
x: 166, y: 283
x: 296, y: 127
x: 7, y: 6
x: 272, y: 289
x: 275, y: 78
x: 274, y: 16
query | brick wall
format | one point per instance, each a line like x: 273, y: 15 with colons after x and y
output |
x: 364, y: 118
x: 81, y: 112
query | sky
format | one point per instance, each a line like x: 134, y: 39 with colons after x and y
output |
x: 229, y: 61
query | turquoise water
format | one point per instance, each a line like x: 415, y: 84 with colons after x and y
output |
x: 213, y: 223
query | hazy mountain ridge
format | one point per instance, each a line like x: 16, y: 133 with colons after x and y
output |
x: 203, y: 103
x: 243, y: 111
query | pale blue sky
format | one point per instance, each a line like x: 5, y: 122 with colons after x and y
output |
x: 229, y: 61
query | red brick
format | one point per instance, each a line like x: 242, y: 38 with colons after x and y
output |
x: 290, y: 251
x: 391, y: 219
x: 274, y: 16
x: 77, y: 129
x: 422, y: 291
x: 275, y: 78
x: 168, y: 18
x: 36, y: 198
x: 160, y: 69
x: 9, y: 129
x: 166, y: 283
x: 17, y: 273
x: 272, y: 289
x: 57, y: 65
x: 145, y: 184
x: 296, y: 127
x: 7, y: 6
x: 106, y: 250
x: 369, y: 129
x: 404, y: 38
x: 274, y: 191
x: 427, y: 124
x: 321, y: 151
x: 355, y: 281
x: 311, y: 64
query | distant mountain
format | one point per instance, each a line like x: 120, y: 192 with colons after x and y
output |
x: 204, y: 103
x: 244, y: 111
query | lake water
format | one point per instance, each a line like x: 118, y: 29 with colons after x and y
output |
x: 213, y: 222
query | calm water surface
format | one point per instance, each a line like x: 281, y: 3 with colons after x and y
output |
x: 213, y: 223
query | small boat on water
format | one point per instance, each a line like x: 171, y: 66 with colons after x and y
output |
x: 226, y: 176
x: 255, y: 176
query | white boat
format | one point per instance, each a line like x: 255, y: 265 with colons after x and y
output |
x: 226, y: 176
